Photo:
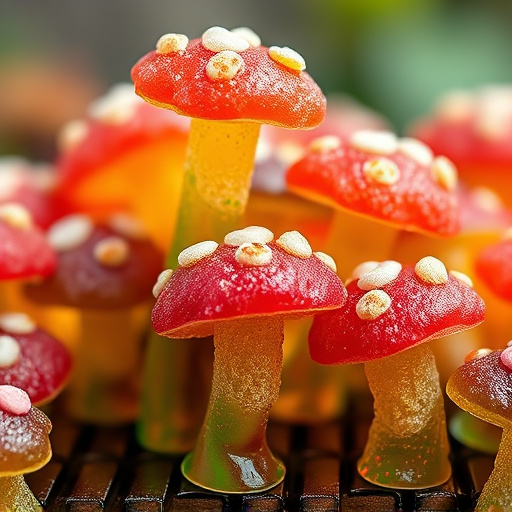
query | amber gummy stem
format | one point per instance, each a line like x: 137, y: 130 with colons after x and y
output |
x: 497, y: 492
x: 407, y: 445
x: 231, y: 454
x: 16, y: 495
x: 217, y: 176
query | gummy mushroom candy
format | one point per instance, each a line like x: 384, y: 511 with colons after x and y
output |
x: 375, y: 176
x: 241, y: 292
x: 473, y: 127
x: 24, y: 447
x: 105, y: 273
x: 24, y: 252
x: 32, y: 359
x: 391, y: 311
x: 229, y: 84
x: 124, y: 155
x: 483, y: 387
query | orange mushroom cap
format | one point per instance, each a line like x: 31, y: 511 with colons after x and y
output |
x: 375, y: 174
x: 222, y: 77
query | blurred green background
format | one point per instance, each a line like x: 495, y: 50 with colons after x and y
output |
x: 396, y: 56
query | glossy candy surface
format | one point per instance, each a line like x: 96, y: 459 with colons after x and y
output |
x: 377, y: 175
x: 418, y: 312
x: 264, y: 90
x: 42, y: 367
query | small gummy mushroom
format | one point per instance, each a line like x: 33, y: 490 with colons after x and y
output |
x: 473, y: 127
x: 105, y: 273
x: 124, y: 155
x: 32, y: 359
x: 390, y: 313
x: 374, y: 176
x: 241, y: 292
x: 483, y: 387
x: 24, y: 447
x: 229, y: 84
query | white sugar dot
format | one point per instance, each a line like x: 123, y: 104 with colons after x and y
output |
x: 161, y: 281
x: 374, y: 141
x: 16, y: 216
x: 380, y: 276
x: 196, y: 252
x: 218, y: 39
x: 70, y: 232
x: 171, y: 43
x: 249, y: 234
x: 224, y: 65
x: 295, y: 244
x: 431, y: 270
x: 253, y: 254
x: 112, y: 251
x: 9, y: 351
x: 17, y: 323
x: 373, y: 304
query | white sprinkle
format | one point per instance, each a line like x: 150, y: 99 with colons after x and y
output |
x: 196, y: 252
x: 17, y: 323
x: 295, y: 244
x: 249, y: 35
x: 128, y: 226
x: 161, y: 281
x: 14, y: 400
x: 486, y: 199
x: 172, y: 43
x: 463, y: 278
x: 380, y: 276
x: 287, y: 57
x: 16, y: 216
x: 253, y: 254
x: 444, y: 172
x: 70, y: 232
x: 256, y: 234
x: 327, y: 259
x: 71, y: 135
x: 10, y: 351
x: 431, y: 270
x: 112, y: 251
x: 382, y: 171
x: 218, y: 39
x: 415, y: 149
x: 289, y: 152
x: 373, y: 304
x: 325, y: 143
x: 364, y: 268
x: 374, y: 141
x: 224, y: 65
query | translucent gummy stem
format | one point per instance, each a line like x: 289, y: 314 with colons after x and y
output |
x: 218, y: 170
x: 407, y: 446
x: 16, y: 495
x: 497, y: 492
x: 231, y: 454
x: 105, y: 379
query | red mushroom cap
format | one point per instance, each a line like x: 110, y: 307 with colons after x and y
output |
x: 24, y: 250
x: 377, y: 175
x: 24, y: 434
x: 98, y: 266
x: 222, y: 77
x: 31, y: 359
x: 493, y: 266
x: 483, y: 387
x: 390, y: 309
x: 217, y: 283
x: 471, y: 127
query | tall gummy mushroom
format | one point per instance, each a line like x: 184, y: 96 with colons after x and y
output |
x: 378, y: 185
x: 241, y: 292
x: 229, y: 84
x: 390, y: 313
x: 24, y: 447
x: 483, y: 387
